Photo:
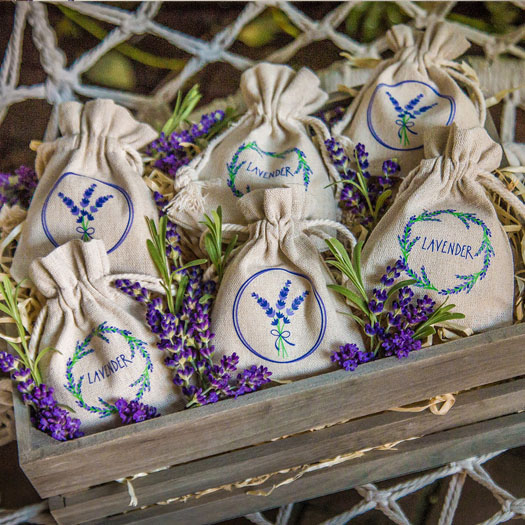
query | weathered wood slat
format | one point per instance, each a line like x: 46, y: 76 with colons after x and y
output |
x: 474, y: 406
x: 412, y: 456
x: 55, y: 468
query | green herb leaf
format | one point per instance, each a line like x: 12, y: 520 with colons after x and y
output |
x: 196, y: 262
x: 183, y: 109
x: 352, y: 296
x: 399, y: 285
x: 181, y: 290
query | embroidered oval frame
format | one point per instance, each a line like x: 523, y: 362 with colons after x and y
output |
x: 81, y: 351
x: 233, y: 168
x: 468, y: 280
x: 370, y: 107
x: 124, y: 193
x: 318, y: 299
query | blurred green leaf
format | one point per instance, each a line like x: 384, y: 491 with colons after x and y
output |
x: 92, y: 27
x: 354, y: 18
x: 113, y: 70
x: 503, y: 15
x: 266, y: 27
x: 259, y: 32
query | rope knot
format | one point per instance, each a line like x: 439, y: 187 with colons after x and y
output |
x: 135, y: 25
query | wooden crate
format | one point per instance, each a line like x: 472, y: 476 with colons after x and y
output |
x: 232, y: 440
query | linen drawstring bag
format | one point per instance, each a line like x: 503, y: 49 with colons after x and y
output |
x: 273, y: 307
x: 105, y: 350
x: 417, y: 89
x: 91, y: 188
x: 444, y: 227
x: 270, y: 146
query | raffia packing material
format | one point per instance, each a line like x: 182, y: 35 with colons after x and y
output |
x: 105, y: 350
x: 270, y: 146
x: 91, y: 188
x: 443, y: 225
x: 273, y: 307
x: 409, y: 93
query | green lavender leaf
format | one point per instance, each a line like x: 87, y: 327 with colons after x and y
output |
x: 352, y: 296
x: 191, y: 264
x: 183, y: 109
x: 399, y: 285
x: 213, y: 242
x: 381, y: 200
x: 179, y: 295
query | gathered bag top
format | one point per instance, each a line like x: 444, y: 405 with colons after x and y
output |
x: 273, y: 307
x: 91, y: 187
x: 269, y: 147
x: 445, y: 229
x: 417, y: 89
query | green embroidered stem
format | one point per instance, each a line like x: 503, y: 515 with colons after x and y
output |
x: 280, y: 341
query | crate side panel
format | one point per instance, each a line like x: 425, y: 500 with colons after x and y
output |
x: 283, y: 410
x: 310, y: 447
x: 413, y: 456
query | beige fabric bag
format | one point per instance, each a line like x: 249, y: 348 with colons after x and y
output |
x: 443, y: 225
x: 91, y: 188
x: 105, y: 348
x: 269, y: 146
x: 273, y: 307
x: 414, y: 90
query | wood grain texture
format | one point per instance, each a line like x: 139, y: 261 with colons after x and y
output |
x: 310, y: 447
x: 412, y: 456
x: 56, y: 468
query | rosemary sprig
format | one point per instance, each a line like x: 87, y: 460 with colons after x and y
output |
x: 173, y: 284
x: 19, y: 344
x: 389, y: 310
x: 213, y: 242
x: 183, y: 109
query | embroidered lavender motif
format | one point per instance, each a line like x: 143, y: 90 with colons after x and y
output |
x: 280, y: 316
x: 406, y: 115
x: 84, y: 211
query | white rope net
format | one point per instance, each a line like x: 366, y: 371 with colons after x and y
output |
x: 500, y: 69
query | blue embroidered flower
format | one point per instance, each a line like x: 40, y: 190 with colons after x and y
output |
x: 85, y: 213
x: 280, y: 319
x: 406, y: 115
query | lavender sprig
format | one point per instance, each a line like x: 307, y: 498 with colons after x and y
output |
x: 135, y: 411
x: 47, y: 416
x: 364, y: 196
x: 161, y: 251
x: 175, y: 147
x: 18, y: 188
x: 184, y: 332
x: 393, y: 322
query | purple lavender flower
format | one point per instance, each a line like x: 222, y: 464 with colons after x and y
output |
x: 331, y: 116
x: 187, y: 340
x: 135, y: 411
x: 252, y: 379
x: 18, y: 188
x: 392, y: 323
x: 171, y: 153
x: 350, y: 357
x: 361, y: 191
x: 46, y: 415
